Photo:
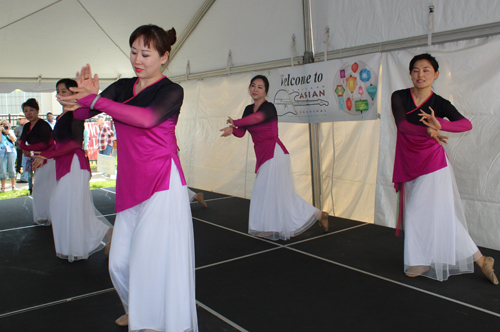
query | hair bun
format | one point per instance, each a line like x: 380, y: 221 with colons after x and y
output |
x: 172, y: 36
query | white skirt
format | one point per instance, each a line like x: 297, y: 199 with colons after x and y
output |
x: 43, y: 187
x: 152, y: 261
x: 191, y: 195
x: 78, y: 232
x: 276, y: 211
x: 437, y: 243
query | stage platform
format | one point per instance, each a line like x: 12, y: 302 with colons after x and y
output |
x: 349, y: 279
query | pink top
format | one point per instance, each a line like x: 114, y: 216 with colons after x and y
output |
x: 145, y: 128
x: 263, y: 126
x: 416, y: 152
x: 68, y: 134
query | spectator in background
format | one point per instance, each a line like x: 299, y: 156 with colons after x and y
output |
x: 21, y: 158
x: 85, y: 145
x: 7, y: 154
x: 105, y: 137
x: 51, y: 120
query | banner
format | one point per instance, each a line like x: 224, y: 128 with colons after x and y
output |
x: 336, y: 90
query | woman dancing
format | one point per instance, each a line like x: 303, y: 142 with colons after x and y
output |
x: 276, y: 211
x: 437, y: 243
x: 78, y: 232
x: 37, y: 136
x: 152, y: 257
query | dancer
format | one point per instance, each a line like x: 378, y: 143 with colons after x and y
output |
x: 78, y: 232
x: 152, y: 257
x: 37, y: 136
x: 276, y: 211
x: 437, y: 243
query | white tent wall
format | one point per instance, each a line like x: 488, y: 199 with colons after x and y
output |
x: 362, y: 22
x: 469, y: 78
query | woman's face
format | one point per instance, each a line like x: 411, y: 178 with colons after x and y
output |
x: 423, y: 74
x: 30, y: 113
x: 146, y: 61
x: 62, y: 91
x: 258, y: 89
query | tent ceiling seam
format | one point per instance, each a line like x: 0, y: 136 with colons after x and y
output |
x: 102, y: 29
x: 22, y: 18
x: 479, y: 31
x: 189, y: 29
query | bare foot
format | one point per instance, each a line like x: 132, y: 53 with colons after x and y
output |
x: 199, y: 197
x: 122, y: 320
x: 323, y: 221
x: 107, y: 248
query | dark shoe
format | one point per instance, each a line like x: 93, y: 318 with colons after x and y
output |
x: 22, y: 181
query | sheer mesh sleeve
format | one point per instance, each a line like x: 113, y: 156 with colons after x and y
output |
x: 399, y: 113
x: 265, y: 112
x: 44, y: 137
x: 457, y: 122
x: 167, y: 103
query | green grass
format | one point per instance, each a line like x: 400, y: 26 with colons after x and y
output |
x: 25, y: 192
x: 13, y: 194
x: 102, y: 184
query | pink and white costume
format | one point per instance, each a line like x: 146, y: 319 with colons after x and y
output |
x: 78, y: 232
x: 436, y: 236
x: 39, y: 138
x: 152, y: 255
x: 276, y: 211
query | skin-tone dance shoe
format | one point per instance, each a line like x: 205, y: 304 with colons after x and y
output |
x: 323, y: 221
x: 416, y: 271
x: 199, y: 197
x: 107, y: 248
x: 488, y: 271
x: 122, y: 321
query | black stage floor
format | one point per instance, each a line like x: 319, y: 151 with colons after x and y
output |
x: 349, y: 279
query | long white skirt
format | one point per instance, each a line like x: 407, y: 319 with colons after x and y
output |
x: 437, y: 243
x: 152, y: 261
x: 276, y: 211
x: 78, y: 232
x: 43, y: 187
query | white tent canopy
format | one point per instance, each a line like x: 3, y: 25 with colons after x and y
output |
x: 45, y: 40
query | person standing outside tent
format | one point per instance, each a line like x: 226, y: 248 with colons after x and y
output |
x: 21, y: 158
x: 51, y: 120
x: 152, y: 257
x: 37, y: 136
x: 276, y: 211
x: 437, y: 243
x: 105, y: 137
x: 7, y: 155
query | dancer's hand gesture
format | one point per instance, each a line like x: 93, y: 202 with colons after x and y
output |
x: 430, y: 119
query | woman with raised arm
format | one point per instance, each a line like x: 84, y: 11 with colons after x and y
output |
x: 276, y: 211
x: 437, y: 243
x: 37, y: 136
x: 78, y: 232
x: 152, y: 257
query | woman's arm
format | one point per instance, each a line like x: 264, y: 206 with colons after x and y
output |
x: 265, y: 112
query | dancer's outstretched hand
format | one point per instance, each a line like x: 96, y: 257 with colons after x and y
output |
x: 437, y: 136
x: 86, y: 86
x: 228, y: 131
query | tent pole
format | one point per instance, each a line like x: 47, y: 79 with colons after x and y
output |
x: 189, y: 29
x: 313, y: 127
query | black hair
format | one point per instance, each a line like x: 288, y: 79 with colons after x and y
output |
x: 162, y: 40
x: 68, y: 83
x: 263, y: 78
x: 424, y: 56
x: 31, y: 103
